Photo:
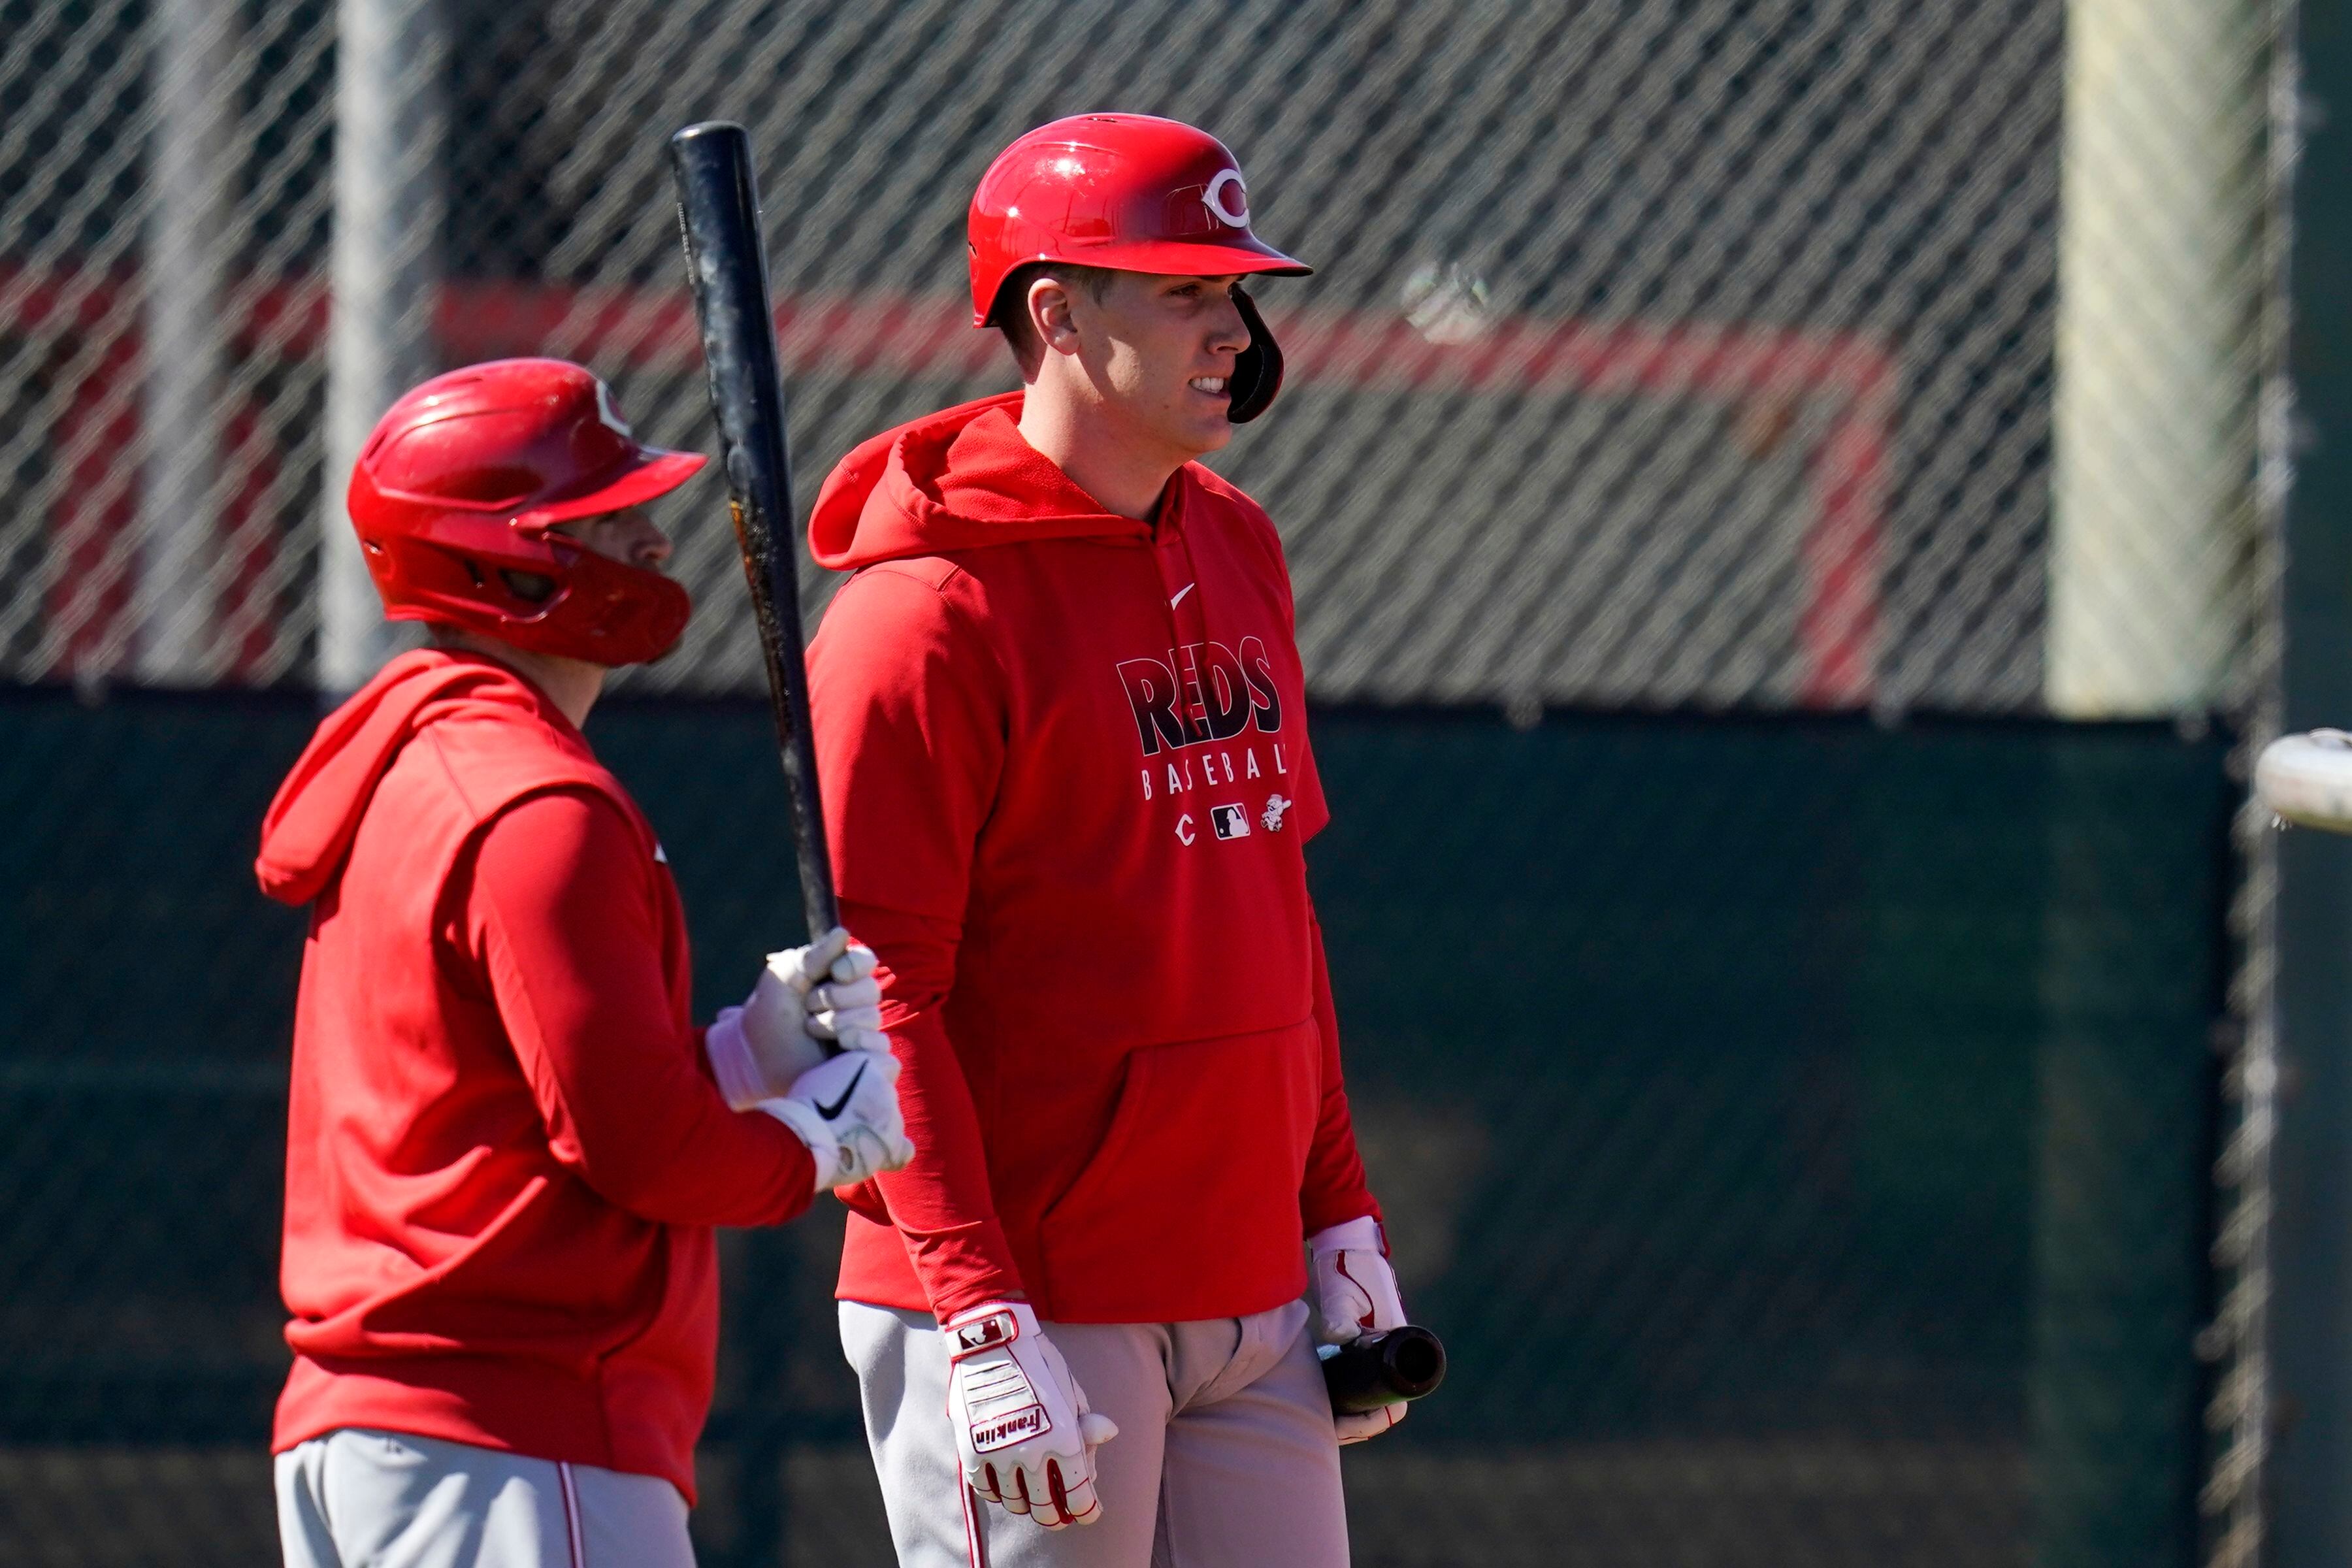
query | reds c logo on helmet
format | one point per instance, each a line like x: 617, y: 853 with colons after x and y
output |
x: 1228, y: 199
x: 1132, y: 192
x: 458, y: 486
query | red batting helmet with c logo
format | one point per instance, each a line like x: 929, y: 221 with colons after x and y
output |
x: 458, y: 485
x: 1132, y: 192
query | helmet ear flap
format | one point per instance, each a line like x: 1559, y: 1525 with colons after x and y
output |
x: 1257, y: 372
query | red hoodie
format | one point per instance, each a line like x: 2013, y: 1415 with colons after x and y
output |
x: 1065, y: 756
x: 504, y: 1153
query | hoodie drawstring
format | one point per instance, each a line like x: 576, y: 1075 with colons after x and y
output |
x: 1188, y: 618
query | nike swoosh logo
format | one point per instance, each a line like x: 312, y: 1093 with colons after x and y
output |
x: 1179, y: 595
x: 830, y: 1112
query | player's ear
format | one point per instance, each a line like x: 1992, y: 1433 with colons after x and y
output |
x: 1050, y: 320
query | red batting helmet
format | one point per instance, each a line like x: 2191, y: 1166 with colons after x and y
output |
x: 458, y: 484
x: 1132, y: 192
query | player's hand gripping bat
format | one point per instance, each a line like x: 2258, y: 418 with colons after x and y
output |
x: 1352, y: 1288
x: 727, y: 267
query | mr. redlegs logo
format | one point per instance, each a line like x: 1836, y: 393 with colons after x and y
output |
x: 1202, y: 692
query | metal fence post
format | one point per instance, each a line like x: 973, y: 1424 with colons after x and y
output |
x: 186, y: 348
x: 2152, y: 517
x: 389, y: 121
x: 2158, y: 283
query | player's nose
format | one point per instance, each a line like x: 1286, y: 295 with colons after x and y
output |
x: 1228, y: 333
x: 648, y: 546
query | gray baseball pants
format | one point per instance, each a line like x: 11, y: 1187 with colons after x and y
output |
x: 362, y: 1499
x: 1225, y: 1458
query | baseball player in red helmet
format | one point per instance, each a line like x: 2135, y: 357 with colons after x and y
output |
x: 1060, y: 711
x: 508, y: 1144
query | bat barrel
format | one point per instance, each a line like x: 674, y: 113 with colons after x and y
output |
x: 727, y: 267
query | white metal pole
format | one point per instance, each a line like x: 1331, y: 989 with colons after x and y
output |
x: 389, y: 123
x: 2159, y: 278
x: 186, y: 349
x: 2161, y: 269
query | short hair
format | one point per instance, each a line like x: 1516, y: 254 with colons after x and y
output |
x: 1011, y: 312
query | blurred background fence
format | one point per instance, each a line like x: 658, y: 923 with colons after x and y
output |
x: 1783, y: 497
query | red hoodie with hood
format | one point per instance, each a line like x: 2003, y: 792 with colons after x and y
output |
x: 504, y: 1154
x: 1068, y: 791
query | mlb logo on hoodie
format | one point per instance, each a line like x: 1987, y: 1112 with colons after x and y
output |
x: 1230, y: 821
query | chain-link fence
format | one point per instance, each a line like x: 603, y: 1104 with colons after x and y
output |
x: 1660, y: 353
x: 1841, y: 1199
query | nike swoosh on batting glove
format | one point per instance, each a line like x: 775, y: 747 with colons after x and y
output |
x: 846, y: 1111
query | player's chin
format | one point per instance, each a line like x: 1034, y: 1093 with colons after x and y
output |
x: 1210, y: 429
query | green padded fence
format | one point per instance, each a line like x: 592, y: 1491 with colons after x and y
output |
x: 1797, y: 1129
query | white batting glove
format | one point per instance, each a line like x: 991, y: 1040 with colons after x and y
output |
x: 1020, y: 1418
x: 809, y: 1000
x: 1355, y: 1294
x: 846, y: 1111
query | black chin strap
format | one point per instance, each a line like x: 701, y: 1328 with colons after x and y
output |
x: 1257, y: 372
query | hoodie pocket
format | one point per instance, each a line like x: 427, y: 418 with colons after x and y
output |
x: 1190, y: 1209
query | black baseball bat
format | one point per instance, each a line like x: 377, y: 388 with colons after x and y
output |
x: 727, y: 267
x: 1386, y: 1368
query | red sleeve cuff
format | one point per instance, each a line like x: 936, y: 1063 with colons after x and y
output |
x: 963, y: 1267
x: 1319, y: 1212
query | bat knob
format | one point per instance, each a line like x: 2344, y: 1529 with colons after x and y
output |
x: 703, y: 129
x: 1387, y: 1368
